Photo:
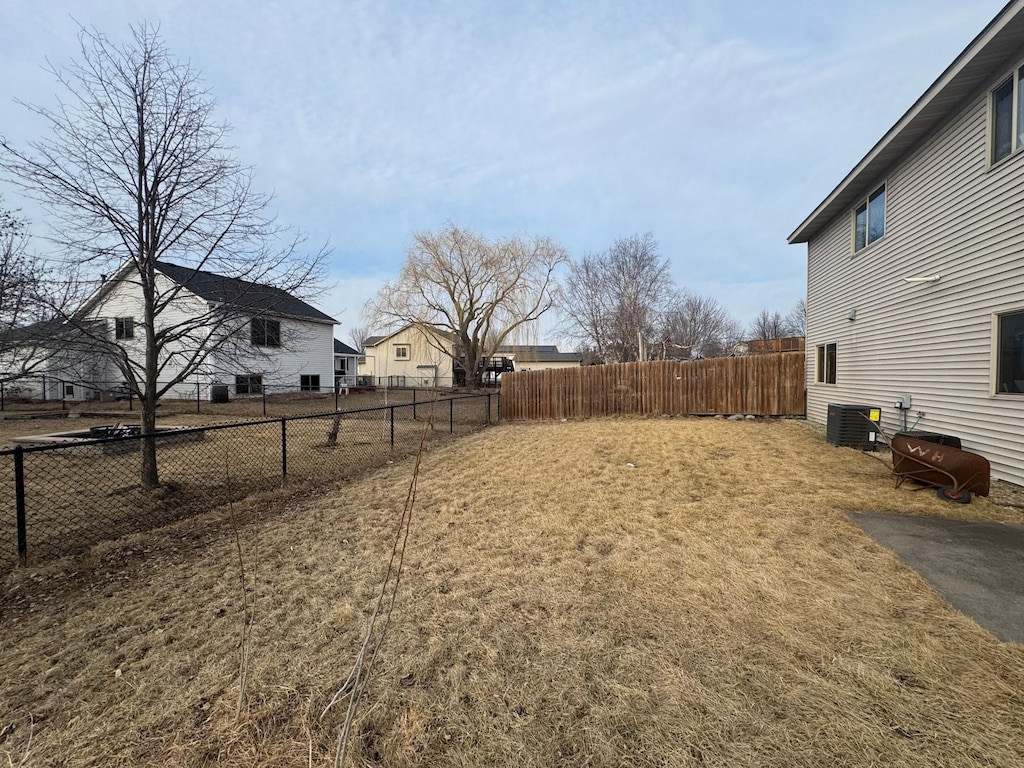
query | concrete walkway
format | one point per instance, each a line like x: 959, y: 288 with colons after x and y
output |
x: 978, y: 567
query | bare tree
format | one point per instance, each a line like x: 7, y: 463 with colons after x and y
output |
x: 138, y: 174
x: 614, y: 302
x: 31, y: 299
x: 477, y: 292
x: 769, y: 325
x: 358, y: 334
x: 698, y: 326
x: 797, y: 318
x: 588, y: 307
x: 20, y: 275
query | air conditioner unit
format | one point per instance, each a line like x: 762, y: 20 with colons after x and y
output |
x: 853, y: 426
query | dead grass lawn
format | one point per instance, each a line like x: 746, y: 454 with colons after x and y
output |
x: 607, y: 593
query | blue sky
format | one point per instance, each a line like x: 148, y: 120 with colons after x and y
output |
x: 716, y: 126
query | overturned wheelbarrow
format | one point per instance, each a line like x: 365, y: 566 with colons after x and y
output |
x: 955, y: 472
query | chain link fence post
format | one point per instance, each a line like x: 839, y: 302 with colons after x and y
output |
x: 284, y: 449
x: 19, y: 495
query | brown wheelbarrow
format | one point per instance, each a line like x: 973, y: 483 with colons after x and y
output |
x: 955, y: 472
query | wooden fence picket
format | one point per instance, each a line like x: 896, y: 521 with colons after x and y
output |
x: 762, y: 385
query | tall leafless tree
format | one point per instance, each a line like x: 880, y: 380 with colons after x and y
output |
x: 797, y: 318
x: 614, y: 301
x: 769, y: 325
x: 477, y: 292
x: 358, y: 334
x: 20, y: 275
x: 137, y: 171
x: 31, y: 300
x: 698, y: 326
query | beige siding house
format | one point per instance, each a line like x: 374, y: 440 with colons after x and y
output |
x: 418, y: 357
x: 409, y: 357
x: 915, y: 262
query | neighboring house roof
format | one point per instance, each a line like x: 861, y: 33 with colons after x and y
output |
x: 991, y: 50
x: 52, y: 330
x: 540, y: 353
x: 373, y: 341
x: 242, y: 293
x: 341, y: 348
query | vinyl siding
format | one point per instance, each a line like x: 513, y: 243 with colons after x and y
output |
x: 125, y: 300
x: 948, y: 213
x: 307, y: 348
x: 418, y: 370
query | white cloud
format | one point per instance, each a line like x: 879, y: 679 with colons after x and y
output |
x: 715, y: 126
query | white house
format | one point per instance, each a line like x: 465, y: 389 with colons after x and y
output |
x: 50, y: 361
x: 264, y: 338
x: 915, y: 262
x: 346, y: 364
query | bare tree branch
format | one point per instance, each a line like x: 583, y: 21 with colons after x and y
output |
x: 477, y: 292
x: 358, y: 334
x: 769, y: 325
x: 698, y: 326
x: 613, y: 302
x: 136, y: 172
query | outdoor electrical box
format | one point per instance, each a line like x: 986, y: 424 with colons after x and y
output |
x: 219, y: 393
x: 902, y: 403
x: 853, y: 426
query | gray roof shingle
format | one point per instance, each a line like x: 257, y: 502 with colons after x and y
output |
x: 262, y: 299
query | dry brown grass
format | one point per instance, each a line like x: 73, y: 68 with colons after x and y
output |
x: 76, y: 497
x: 50, y: 417
x: 607, y: 593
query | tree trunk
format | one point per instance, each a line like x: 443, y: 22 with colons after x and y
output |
x: 332, y: 433
x: 150, y: 474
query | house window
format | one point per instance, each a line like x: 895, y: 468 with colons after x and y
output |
x: 266, y: 333
x: 401, y: 351
x: 1010, y: 364
x: 309, y: 383
x: 124, y: 327
x: 69, y: 390
x: 826, y: 368
x: 1008, y: 116
x: 248, y: 384
x: 869, y: 219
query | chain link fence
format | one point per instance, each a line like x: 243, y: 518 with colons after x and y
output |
x: 63, y: 498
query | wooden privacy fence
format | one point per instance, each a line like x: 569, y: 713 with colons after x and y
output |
x: 763, y: 385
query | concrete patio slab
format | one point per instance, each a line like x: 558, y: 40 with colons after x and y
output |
x: 978, y: 567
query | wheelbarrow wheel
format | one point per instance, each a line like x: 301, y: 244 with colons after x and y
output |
x: 951, y: 494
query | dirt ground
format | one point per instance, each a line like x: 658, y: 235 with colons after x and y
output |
x: 667, y: 592
x: 42, y: 418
